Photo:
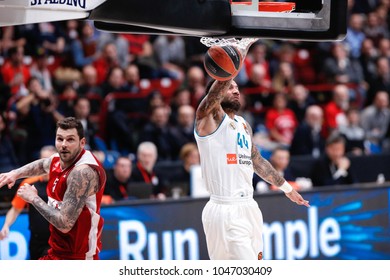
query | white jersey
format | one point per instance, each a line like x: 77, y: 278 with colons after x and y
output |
x: 226, y: 159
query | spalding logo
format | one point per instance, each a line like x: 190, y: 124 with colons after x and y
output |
x: 74, y: 3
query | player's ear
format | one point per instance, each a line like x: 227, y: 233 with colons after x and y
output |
x: 83, y: 141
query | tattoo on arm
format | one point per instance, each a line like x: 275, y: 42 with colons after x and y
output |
x: 263, y: 167
x: 82, y: 182
x: 212, y: 101
x: 35, y: 168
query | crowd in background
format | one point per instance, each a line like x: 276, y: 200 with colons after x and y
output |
x: 130, y: 89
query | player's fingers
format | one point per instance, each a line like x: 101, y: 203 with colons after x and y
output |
x: 11, y: 184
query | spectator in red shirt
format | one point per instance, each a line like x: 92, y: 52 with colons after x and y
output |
x: 15, y: 73
x: 280, y: 121
x: 334, y: 110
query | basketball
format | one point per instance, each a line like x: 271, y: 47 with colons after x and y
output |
x: 222, y: 62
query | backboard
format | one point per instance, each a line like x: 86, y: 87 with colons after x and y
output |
x: 313, y: 20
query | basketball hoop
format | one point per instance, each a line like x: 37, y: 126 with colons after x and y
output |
x: 243, y: 44
x: 276, y: 7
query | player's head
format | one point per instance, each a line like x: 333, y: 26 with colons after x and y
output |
x: 231, y: 101
x: 70, y: 140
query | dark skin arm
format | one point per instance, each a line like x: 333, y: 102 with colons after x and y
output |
x: 209, y: 113
x: 265, y: 170
x: 83, y: 181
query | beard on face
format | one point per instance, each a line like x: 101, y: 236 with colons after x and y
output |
x: 231, y: 106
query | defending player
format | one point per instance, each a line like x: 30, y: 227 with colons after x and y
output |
x: 231, y: 219
x: 75, y: 189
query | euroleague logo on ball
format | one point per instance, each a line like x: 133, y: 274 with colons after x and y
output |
x: 222, y: 62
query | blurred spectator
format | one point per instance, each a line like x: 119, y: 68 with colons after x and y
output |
x: 283, y: 80
x: 300, y: 99
x: 284, y: 53
x: 374, y: 29
x: 122, y: 46
x: 171, y: 54
x: 375, y: 119
x: 115, y: 81
x: 257, y: 54
x: 308, y: 138
x: 334, y: 110
x: 180, y: 97
x: 144, y: 169
x: 51, y: 37
x: 368, y: 57
x: 132, y: 79
x: 40, y: 70
x: 183, y: 131
x: 353, y: 133
x: 84, y: 48
x: 117, y: 180
x: 9, y: 39
x: 382, y: 80
x: 258, y: 87
x: 195, y: 81
x: 38, y: 225
x: 340, y: 68
x: 89, y: 82
x: 66, y: 100
x: 8, y: 157
x: 82, y: 111
x: 384, y: 47
x: 158, y: 131
x: 38, y: 115
x: 189, y: 155
x: 355, y: 35
x: 281, y: 121
x: 280, y: 160
x: 15, y: 73
x: 334, y: 168
x: 108, y: 59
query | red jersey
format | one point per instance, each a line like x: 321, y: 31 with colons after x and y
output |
x: 83, y: 241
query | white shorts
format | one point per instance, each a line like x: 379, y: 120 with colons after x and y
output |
x: 233, y: 228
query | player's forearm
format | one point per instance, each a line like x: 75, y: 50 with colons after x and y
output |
x: 11, y: 216
x: 34, y: 168
x: 265, y: 170
x: 213, y: 97
x: 52, y: 215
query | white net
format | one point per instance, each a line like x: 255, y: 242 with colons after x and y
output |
x: 240, y: 43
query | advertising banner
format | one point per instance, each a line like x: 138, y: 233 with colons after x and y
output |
x: 342, y: 223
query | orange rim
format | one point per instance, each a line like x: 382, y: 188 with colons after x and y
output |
x: 276, y: 6
x: 271, y: 6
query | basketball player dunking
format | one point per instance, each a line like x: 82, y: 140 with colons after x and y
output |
x: 231, y: 219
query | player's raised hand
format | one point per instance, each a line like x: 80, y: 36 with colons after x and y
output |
x: 294, y: 196
x: 8, y: 178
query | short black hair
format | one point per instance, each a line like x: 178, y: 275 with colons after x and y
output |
x: 70, y: 123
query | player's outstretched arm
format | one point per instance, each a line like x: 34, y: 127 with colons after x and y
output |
x: 35, y: 168
x: 209, y: 113
x: 211, y: 103
x: 82, y: 182
x: 267, y: 172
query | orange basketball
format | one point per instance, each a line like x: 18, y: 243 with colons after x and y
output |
x: 222, y: 62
